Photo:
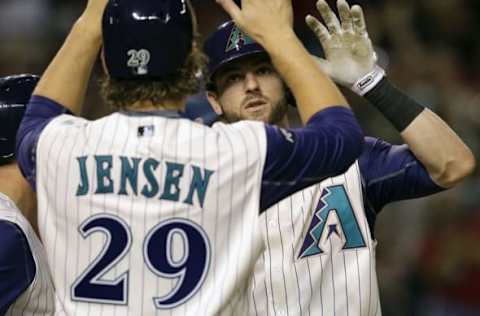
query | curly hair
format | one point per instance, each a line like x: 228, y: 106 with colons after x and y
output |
x: 121, y: 94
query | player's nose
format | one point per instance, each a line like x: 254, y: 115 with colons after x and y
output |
x: 251, y: 82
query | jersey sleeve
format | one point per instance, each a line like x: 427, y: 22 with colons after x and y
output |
x: 393, y: 173
x: 40, y: 112
x: 17, y: 266
x: 297, y: 158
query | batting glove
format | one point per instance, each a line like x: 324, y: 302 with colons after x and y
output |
x: 350, y: 58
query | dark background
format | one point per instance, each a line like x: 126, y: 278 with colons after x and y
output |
x: 428, y: 249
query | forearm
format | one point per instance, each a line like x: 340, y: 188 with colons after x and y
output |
x: 66, y: 78
x: 445, y: 156
x: 312, y: 89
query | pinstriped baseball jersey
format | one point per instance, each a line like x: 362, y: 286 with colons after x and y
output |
x: 148, y: 215
x: 39, y: 297
x: 319, y: 256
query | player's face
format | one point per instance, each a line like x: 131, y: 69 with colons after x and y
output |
x: 250, y: 89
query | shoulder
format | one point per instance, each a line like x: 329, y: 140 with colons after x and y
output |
x: 248, y: 130
x: 243, y: 138
x: 16, y: 261
x: 15, y: 250
x: 373, y: 142
x: 65, y: 122
x: 68, y: 120
x: 373, y: 147
x: 242, y: 126
x: 376, y: 148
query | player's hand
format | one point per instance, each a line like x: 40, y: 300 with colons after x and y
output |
x: 348, y: 50
x: 93, y: 14
x: 263, y: 20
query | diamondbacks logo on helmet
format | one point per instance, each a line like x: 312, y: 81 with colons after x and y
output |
x: 237, y: 40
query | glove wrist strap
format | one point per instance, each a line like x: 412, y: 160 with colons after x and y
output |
x: 369, y: 81
x: 400, y: 109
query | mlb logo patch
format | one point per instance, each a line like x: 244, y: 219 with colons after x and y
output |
x: 146, y: 131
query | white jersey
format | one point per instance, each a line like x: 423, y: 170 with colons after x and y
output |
x: 148, y: 215
x: 319, y: 256
x: 39, y: 297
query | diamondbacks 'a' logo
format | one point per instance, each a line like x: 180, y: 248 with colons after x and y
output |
x: 334, y: 199
x: 237, y: 40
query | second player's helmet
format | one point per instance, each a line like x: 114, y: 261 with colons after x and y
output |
x: 145, y: 39
x: 15, y: 92
x: 227, y: 44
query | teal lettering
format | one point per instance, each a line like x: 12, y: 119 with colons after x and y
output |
x: 149, y: 168
x: 171, y: 190
x: 129, y: 174
x: 104, y: 168
x: 199, y: 184
x: 84, y: 186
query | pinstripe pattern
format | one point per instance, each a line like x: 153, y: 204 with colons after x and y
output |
x: 39, y: 297
x: 336, y: 282
x: 229, y: 216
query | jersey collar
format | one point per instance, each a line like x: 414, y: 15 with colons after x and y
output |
x: 163, y: 113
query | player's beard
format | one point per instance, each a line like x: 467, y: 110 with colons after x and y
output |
x: 275, y: 116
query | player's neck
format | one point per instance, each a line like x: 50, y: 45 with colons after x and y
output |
x: 14, y: 186
x: 284, y: 123
x: 167, y: 105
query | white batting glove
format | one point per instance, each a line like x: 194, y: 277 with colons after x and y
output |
x: 350, y: 58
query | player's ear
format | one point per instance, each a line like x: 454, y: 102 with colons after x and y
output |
x: 213, y: 100
x: 104, y: 64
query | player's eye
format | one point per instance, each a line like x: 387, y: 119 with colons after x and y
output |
x: 233, y: 78
x: 264, y: 70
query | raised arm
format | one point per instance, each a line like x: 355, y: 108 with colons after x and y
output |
x: 66, y: 79
x: 62, y: 87
x: 332, y: 138
x: 351, y: 61
x: 270, y: 23
x: 445, y: 156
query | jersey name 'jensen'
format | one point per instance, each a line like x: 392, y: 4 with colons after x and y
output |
x: 173, y: 178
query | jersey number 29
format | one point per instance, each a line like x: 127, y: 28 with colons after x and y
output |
x: 190, y: 270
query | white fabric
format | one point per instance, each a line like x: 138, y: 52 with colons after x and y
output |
x: 229, y: 217
x: 336, y: 282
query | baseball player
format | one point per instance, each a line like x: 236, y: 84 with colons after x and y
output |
x: 319, y: 256
x: 144, y: 212
x: 26, y: 287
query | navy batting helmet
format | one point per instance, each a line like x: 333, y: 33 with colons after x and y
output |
x: 228, y: 43
x: 145, y: 39
x: 15, y: 92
